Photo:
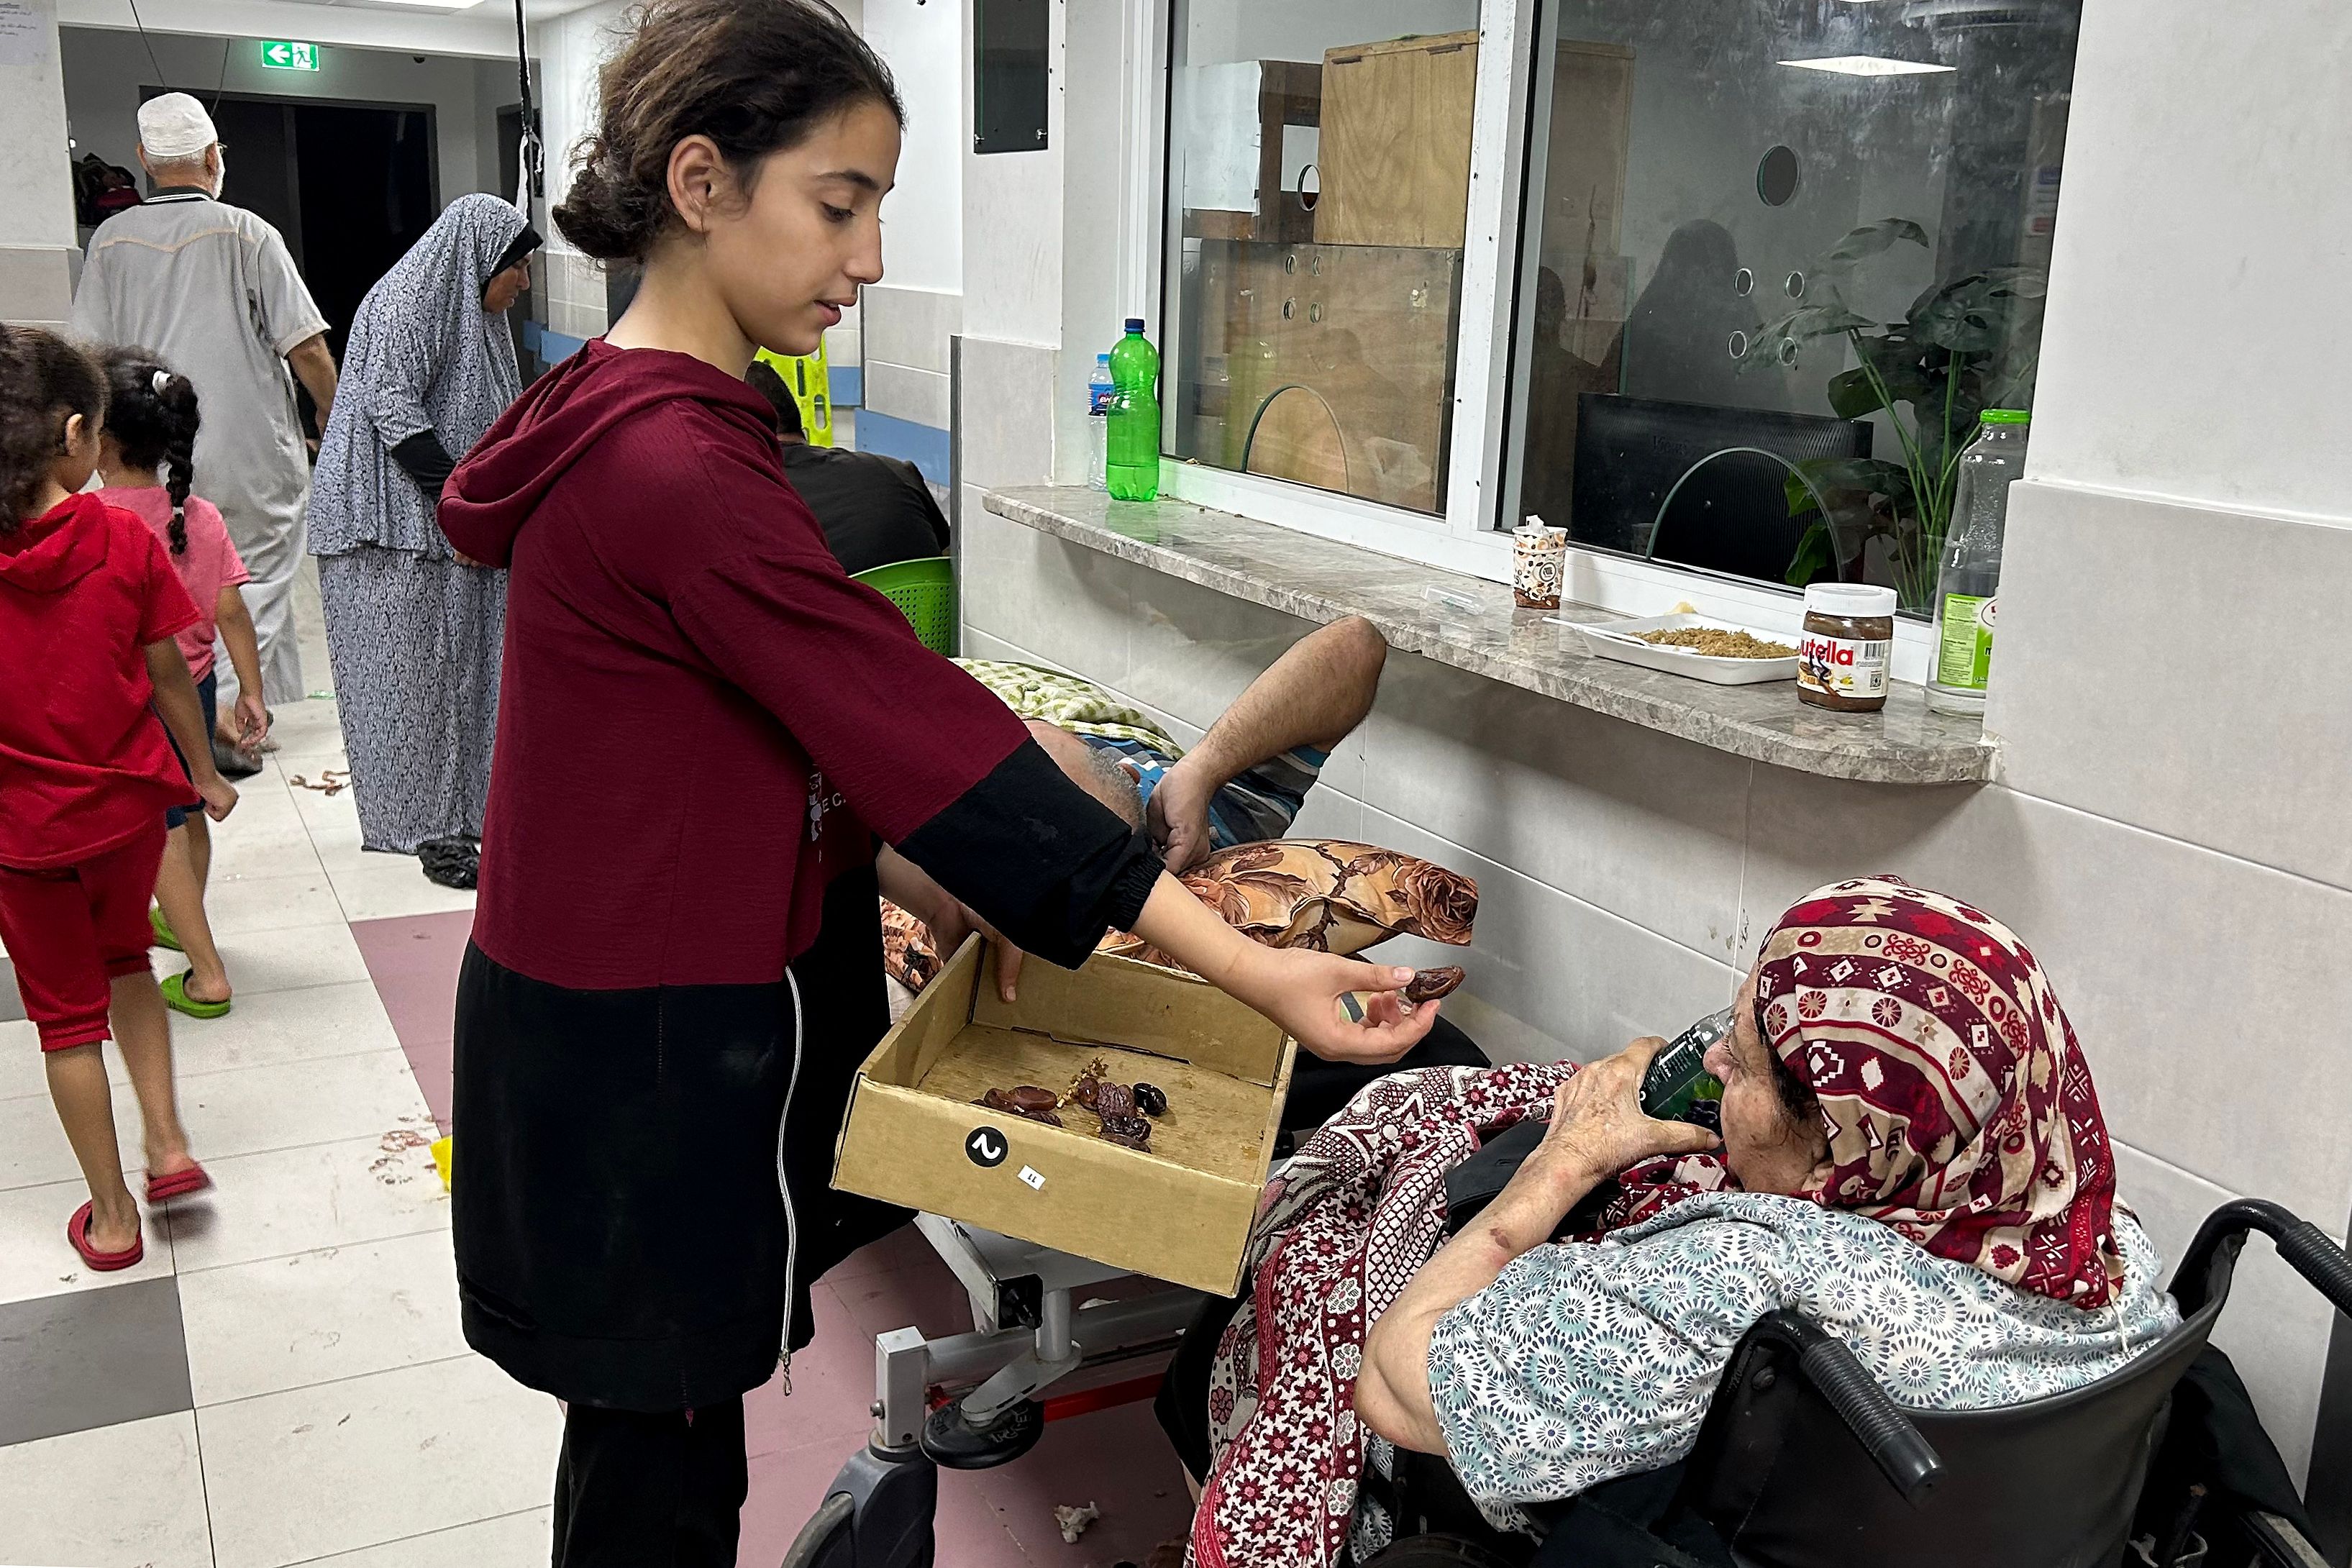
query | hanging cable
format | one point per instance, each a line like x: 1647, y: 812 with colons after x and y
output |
x: 161, y: 79
x: 529, y: 155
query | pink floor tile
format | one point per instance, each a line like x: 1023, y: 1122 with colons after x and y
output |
x: 833, y: 1390
x: 414, y: 960
x: 1118, y: 1460
x: 921, y: 1292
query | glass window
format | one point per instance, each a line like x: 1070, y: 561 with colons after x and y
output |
x: 1317, y: 190
x: 1779, y: 256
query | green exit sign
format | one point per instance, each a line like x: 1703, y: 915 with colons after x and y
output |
x: 285, y: 55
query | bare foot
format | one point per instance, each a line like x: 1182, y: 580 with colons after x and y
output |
x: 115, y: 1231
x: 205, y: 991
x: 174, y: 1159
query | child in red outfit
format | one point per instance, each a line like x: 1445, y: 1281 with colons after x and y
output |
x: 89, y: 609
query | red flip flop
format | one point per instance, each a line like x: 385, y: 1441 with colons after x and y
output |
x: 179, y: 1184
x: 78, y: 1232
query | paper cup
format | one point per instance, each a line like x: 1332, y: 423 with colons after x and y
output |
x: 1538, y: 562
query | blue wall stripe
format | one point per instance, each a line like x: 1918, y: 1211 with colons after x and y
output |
x: 924, y: 445
x: 555, y: 348
x: 848, y: 383
x: 531, y: 330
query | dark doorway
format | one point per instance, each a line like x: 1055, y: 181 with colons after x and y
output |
x: 350, y: 186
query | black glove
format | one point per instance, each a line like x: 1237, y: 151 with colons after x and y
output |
x: 427, y: 462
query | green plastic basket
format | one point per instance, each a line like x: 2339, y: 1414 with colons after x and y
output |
x: 924, y: 593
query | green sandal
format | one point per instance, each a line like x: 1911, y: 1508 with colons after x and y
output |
x: 177, y: 997
x: 163, y: 929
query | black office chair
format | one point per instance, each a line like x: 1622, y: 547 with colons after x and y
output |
x: 1805, y: 1462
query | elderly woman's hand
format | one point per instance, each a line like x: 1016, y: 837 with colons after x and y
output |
x: 1597, y: 1127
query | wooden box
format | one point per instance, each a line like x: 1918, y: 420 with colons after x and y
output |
x: 1396, y: 142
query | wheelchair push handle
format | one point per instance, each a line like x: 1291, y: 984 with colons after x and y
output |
x: 1877, y: 1423
x: 2303, y: 1244
x: 2319, y: 1260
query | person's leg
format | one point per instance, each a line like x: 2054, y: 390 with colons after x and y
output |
x: 633, y: 1487
x: 180, y: 893
x: 85, y: 1103
x: 118, y: 884
x: 199, y: 838
x: 270, y: 544
x: 45, y: 922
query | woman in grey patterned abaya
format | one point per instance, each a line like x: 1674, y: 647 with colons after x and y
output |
x: 413, y: 630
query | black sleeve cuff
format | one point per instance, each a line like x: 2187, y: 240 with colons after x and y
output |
x: 1039, y: 859
x: 427, y: 462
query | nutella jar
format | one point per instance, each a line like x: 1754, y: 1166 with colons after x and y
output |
x: 1841, y: 659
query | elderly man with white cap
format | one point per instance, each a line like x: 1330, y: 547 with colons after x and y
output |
x: 211, y: 290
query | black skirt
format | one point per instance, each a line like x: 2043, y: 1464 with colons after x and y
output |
x: 621, y: 1237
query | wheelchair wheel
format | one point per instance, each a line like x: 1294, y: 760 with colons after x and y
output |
x: 1436, y: 1551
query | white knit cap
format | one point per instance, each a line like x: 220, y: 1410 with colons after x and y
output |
x: 174, y: 126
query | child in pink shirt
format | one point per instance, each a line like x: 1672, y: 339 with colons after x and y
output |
x: 151, y: 421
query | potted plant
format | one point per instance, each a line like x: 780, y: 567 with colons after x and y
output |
x: 1963, y: 347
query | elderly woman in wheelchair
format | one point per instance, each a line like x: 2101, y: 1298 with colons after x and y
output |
x: 1916, y: 1159
x: 1912, y: 1157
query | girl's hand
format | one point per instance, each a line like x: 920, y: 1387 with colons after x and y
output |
x: 950, y: 919
x: 252, y: 716
x: 1597, y: 1127
x: 1301, y: 990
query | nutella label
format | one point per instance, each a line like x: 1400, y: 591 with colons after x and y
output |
x: 1841, y: 666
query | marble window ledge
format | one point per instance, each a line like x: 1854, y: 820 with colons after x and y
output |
x: 1322, y: 580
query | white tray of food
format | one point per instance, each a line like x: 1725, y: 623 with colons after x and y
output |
x: 1688, y: 644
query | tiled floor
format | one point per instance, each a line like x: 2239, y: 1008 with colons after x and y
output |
x: 283, y: 1380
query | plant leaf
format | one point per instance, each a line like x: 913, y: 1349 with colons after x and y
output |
x: 1874, y: 238
x: 1852, y: 395
x: 1816, y: 554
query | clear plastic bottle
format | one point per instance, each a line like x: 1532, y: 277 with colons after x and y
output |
x: 1967, y: 589
x: 1099, y: 423
x: 1132, y: 460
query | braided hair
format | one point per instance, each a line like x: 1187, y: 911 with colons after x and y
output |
x: 44, y: 382
x: 151, y: 414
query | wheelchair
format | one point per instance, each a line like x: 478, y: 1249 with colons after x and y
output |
x: 1803, y: 1462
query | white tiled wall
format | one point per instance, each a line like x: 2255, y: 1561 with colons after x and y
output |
x: 904, y: 339
x: 576, y: 293
x: 1626, y: 877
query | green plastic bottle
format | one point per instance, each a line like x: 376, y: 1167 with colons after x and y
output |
x: 1679, y: 1087
x: 1131, y: 470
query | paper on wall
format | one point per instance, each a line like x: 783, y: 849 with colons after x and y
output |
x: 24, y: 34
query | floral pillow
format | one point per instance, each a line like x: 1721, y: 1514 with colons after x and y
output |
x: 1329, y: 895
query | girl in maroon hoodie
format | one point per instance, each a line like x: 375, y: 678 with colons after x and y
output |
x: 635, y: 1024
x: 88, y: 606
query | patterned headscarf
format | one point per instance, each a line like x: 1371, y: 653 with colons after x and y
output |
x: 423, y: 355
x: 1957, y: 1104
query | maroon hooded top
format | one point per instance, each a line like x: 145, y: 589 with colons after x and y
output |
x: 702, y: 720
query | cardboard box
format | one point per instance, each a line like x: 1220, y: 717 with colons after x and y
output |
x: 914, y: 1135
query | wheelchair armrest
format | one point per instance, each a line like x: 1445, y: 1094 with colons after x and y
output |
x: 1877, y: 1423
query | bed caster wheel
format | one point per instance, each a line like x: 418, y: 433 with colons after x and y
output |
x: 953, y: 1443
